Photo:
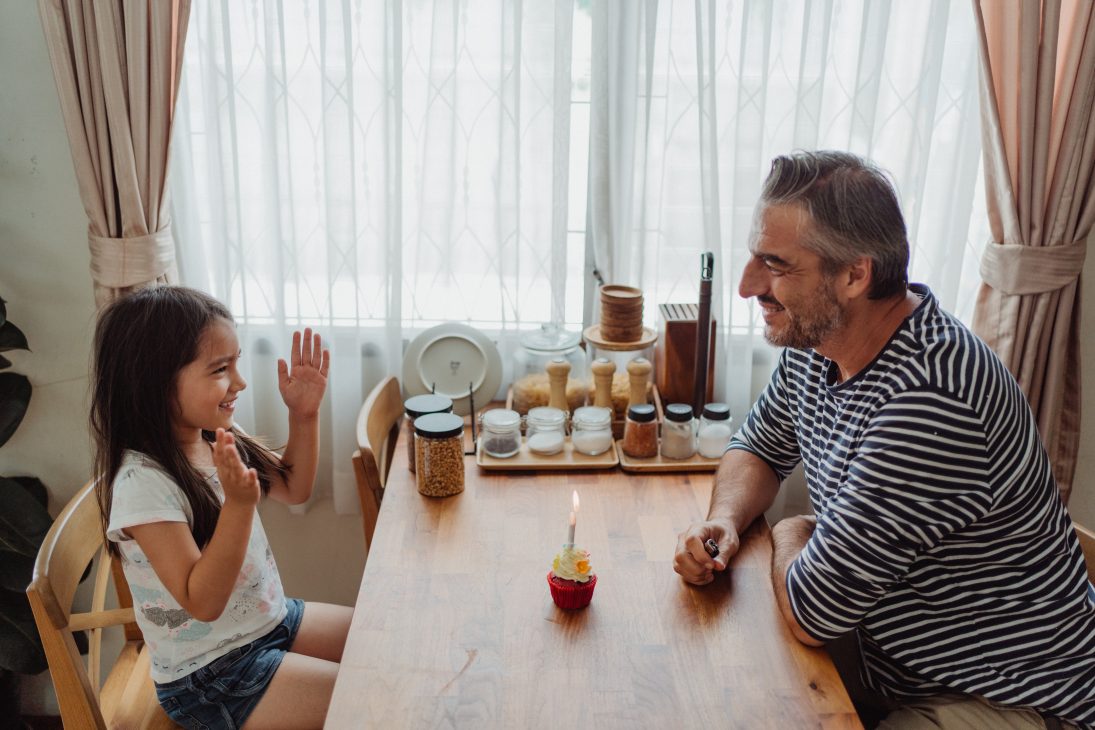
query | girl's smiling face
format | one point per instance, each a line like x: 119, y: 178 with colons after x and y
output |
x: 206, y: 389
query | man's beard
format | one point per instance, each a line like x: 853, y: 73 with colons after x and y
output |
x: 809, y: 321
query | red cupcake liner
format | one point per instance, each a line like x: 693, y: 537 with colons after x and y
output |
x: 570, y: 594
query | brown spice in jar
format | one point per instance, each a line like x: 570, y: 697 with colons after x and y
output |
x: 439, y: 465
x: 640, y: 439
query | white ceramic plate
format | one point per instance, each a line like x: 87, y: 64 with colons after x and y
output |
x: 446, y: 359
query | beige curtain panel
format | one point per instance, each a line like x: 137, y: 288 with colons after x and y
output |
x: 1038, y: 134
x: 117, y: 66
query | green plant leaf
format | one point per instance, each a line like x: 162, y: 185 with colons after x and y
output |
x: 14, y: 398
x: 12, y: 338
x: 15, y: 571
x: 23, y: 521
x: 20, y: 647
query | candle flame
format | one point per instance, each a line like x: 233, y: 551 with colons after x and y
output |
x: 575, y: 499
x: 573, y: 519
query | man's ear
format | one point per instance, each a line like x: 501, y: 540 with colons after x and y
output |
x: 856, y: 278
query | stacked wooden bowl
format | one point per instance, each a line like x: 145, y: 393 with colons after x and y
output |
x: 621, y: 313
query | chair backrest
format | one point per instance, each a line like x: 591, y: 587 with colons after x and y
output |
x: 1087, y: 544
x: 377, y: 429
x: 127, y: 698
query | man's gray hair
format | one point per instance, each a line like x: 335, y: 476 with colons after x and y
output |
x: 854, y: 213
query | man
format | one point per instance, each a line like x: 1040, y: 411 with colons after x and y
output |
x: 939, y: 539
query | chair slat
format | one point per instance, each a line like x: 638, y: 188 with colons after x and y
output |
x: 100, y: 619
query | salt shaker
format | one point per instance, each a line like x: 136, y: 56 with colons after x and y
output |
x: 603, y: 370
x: 638, y: 371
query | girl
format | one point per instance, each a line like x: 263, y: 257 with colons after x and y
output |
x: 178, y: 485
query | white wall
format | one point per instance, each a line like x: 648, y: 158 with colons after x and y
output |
x: 44, y: 279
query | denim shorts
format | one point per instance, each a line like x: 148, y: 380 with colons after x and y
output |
x: 224, y: 692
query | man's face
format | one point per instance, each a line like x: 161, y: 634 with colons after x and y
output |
x: 801, y: 308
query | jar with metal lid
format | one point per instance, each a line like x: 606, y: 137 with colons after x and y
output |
x: 421, y: 405
x: 641, y: 432
x: 439, y: 454
x: 678, y: 432
x: 591, y: 430
x: 500, y: 436
x: 715, y: 432
x: 545, y: 430
x: 530, y: 360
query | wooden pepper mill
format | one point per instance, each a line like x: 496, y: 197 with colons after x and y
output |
x: 639, y: 372
x: 558, y: 370
x: 603, y: 370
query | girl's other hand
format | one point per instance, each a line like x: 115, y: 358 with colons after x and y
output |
x: 303, y: 380
x: 240, y: 483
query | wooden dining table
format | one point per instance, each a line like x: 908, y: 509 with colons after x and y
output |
x: 454, y: 626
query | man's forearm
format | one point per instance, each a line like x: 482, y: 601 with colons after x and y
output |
x: 789, y: 537
x: 745, y: 486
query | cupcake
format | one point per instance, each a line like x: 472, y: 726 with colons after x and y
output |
x: 571, y: 578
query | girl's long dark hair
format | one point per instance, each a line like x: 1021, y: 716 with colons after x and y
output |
x: 142, y: 341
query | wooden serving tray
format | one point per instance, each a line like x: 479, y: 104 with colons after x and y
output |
x: 567, y: 459
x: 657, y: 463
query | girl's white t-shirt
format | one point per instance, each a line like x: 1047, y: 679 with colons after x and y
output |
x: 178, y: 643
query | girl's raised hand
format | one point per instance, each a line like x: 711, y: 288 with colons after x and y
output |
x: 240, y: 483
x: 303, y: 380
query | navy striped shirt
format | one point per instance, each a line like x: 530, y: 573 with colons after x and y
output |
x: 940, y: 534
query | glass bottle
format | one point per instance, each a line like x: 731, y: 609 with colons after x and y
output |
x: 591, y: 430
x: 640, y: 432
x: 678, y: 432
x: 715, y: 432
x: 439, y: 454
x: 530, y: 380
x: 421, y: 405
x: 546, y: 430
x: 501, y: 434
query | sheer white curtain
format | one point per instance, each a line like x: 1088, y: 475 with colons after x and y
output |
x: 693, y: 98
x: 371, y: 169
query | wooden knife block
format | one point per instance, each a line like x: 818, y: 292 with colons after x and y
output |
x: 675, y: 353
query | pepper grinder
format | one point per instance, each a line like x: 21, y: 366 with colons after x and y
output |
x: 603, y: 370
x: 558, y: 370
x: 639, y: 372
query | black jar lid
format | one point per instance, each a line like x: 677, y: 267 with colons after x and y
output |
x: 641, y: 413
x: 679, y: 412
x: 420, y: 405
x: 716, y: 412
x: 439, y: 425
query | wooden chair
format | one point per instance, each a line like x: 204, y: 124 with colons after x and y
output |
x: 1087, y: 544
x: 377, y: 429
x: 127, y: 699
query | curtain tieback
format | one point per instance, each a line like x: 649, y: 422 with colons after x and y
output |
x: 1016, y: 269
x: 125, y: 262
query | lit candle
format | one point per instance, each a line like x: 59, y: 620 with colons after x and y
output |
x: 573, y: 519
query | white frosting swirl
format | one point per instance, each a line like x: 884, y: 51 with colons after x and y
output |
x: 572, y: 564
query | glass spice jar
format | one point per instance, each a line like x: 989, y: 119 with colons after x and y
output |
x: 715, y: 432
x: 439, y: 454
x: 546, y: 430
x: 531, y: 385
x: 420, y: 405
x: 640, y: 432
x: 591, y: 430
x: 678, y: 432
x: 501, y: 433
